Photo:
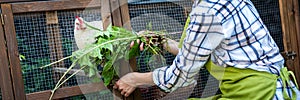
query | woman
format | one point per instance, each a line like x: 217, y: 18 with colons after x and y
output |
x: 225, y: 36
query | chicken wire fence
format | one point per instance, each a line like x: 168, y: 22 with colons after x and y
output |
x: 269, y: 11
x: 42, y: 43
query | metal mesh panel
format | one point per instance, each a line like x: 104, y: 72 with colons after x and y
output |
x: 42, y: 43
x: 270, y: 14
x: 169, y: 16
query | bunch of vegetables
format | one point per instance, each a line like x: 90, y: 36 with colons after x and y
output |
x: 111, y: 46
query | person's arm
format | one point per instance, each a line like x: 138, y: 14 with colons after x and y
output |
x: 171, y: 46
x: 130, y: 81
x: 204, y: 34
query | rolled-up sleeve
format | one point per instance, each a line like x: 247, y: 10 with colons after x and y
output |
x: 204, y: 34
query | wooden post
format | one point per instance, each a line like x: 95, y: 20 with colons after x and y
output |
x: 5, y: 78
x: 290, y: 28
x: 121, y: 18
x: 55, y: 43
x: 297, y: 26
x: 13, y: 54
x: 105, y: 13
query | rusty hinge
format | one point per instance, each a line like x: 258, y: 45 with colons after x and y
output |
x: 291, y: 54
x: 2, y: 19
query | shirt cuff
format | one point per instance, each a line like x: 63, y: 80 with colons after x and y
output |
x: 159, y: 80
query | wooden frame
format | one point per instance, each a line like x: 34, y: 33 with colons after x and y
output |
x: 6, y: 86
x: 120, y: 17
x: 16, y: 90
x: 13, y: 54
x: 289, y: 11
x: 115, y: 12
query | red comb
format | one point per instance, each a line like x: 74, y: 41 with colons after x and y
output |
x: 76, y: 16
x: 80, y: 21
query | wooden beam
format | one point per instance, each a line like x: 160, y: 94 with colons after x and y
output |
x: 297, y: 26
x: 5, y: 78
x: 106, y: 13
x: 13, y: 54
x: 290, y: 34
x: 11, y: 1
x: 54, y: 5
x: 125, y: 14
x: 67, y: 91
x: 116, y: 13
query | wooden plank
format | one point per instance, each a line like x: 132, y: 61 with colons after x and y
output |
x: 51, y: 17
x: 125, y: 14
x: 55, y: 43
x: 105, y: 13
x: 116, y: 21
x: 116, y: 13
x: 10, y: 1
x: 290, y: 35
x: 136, y: 95
x: 67, y: 91
x: 297, y: 26
x: 120, y: 17
x: 5, y: 78
x: 13, y: 54
x: 54, y: 5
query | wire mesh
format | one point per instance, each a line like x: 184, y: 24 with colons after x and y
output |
x: 168, y: 16
x: 41, y: 43
x: 270, y: 13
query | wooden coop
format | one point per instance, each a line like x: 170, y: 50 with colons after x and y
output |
x: 42, y: 32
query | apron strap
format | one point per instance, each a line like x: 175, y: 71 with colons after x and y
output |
x: 284, y: 75
x: 184, y: 32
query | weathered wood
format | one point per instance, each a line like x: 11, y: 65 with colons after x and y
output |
x: 13, y: 54
x: 125, y: 14
x: 116, y: 21
x: 55, y: 45
x: 67, y: 91
x: 105, y: 13
x: 5, y: 78
x: 121, y: 18
x: 26, y: 7
x: 297, y: 26
x: 10, y: 1
x: 51, y: 17
x: 290, y: 34
x: 116, y: 13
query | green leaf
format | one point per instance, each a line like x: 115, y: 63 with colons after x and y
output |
x: 109, y: 47
x: 96, y: 53
x: 92, y: 71
x: 85, y: 61
x: 108, y: 73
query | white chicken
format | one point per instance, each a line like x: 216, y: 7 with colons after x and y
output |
x: 85, y: 35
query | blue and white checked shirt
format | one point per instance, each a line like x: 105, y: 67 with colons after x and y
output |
x: 232, y: 33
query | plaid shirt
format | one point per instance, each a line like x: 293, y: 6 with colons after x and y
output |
x: 232, y: 34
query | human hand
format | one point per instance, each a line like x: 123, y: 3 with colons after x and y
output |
x: 126, y: 84
x: 130, y: 81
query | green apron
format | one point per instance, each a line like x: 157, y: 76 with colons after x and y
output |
x: 245, y: 84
